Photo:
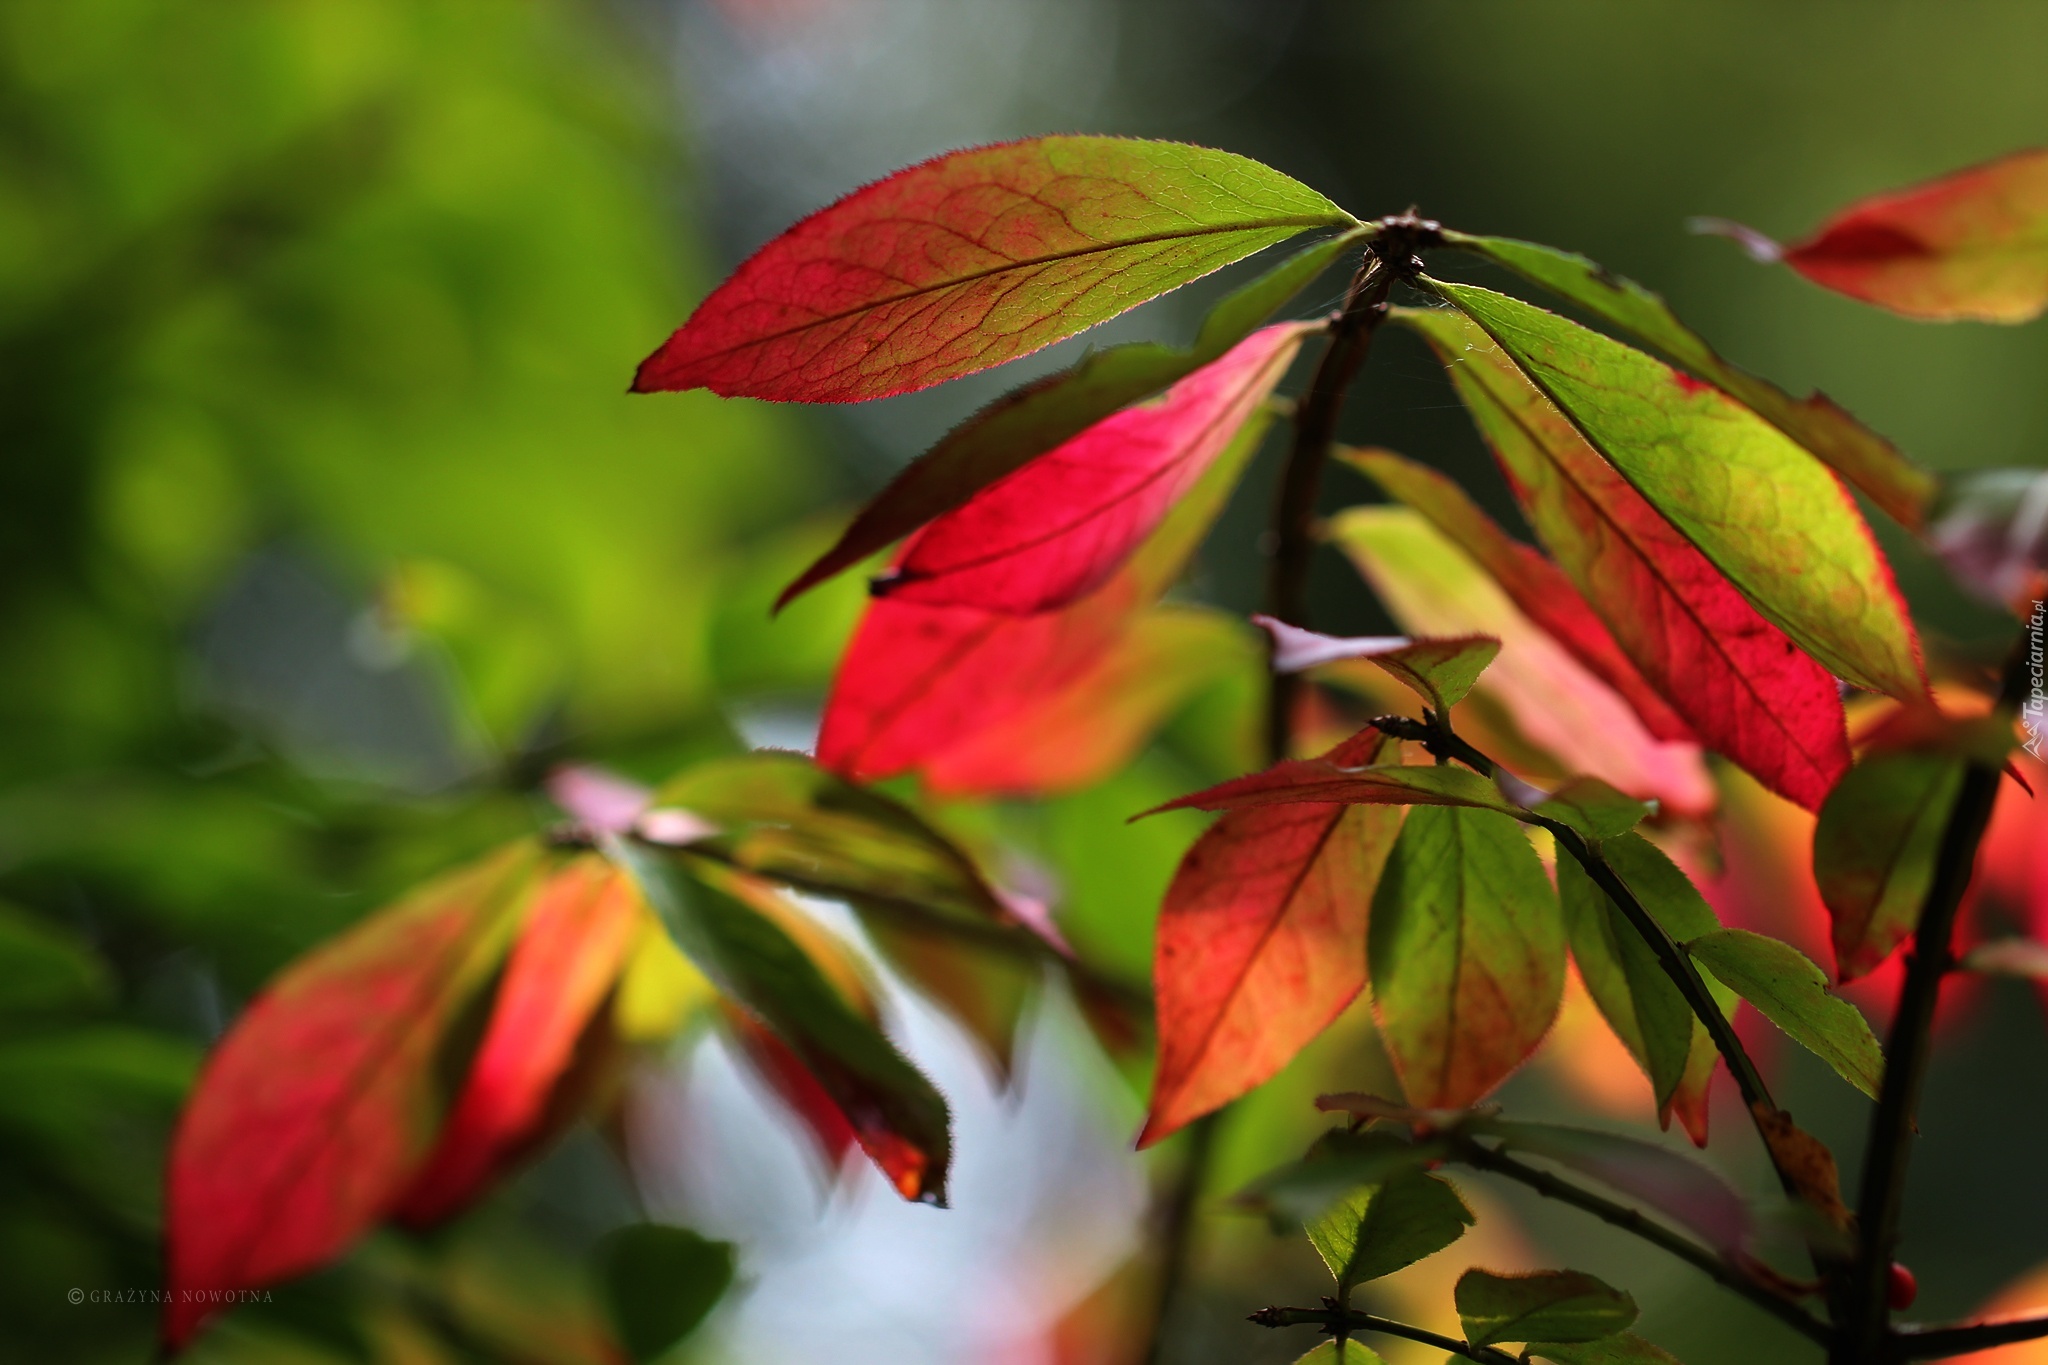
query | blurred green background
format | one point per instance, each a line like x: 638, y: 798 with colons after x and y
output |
x: 326, y: 522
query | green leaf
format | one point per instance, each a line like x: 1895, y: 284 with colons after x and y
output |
x: 43, y: 970
x: 1594, y: 809
x: 899, y: 1118
x: 1020, y: 426
x: 1335, y: 1165
x: 1623, y: 1348
x: 1874, y: 850
x: 1379, y: 1229
x: 782, y: 816
x: 1793, y: 994
x: 1548, y: 1305
x: 1623, y: 975
x: 659, y: 1282
x: 1340, y: 1351
x: 1768, y: 515
x: 1467, y: 953
x: 1858, y: 454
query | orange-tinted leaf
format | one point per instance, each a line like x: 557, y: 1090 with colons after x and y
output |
x: 1261, y: 943
x: 1744, y: 688
x: 315, y: 1111
x: 1769, y: 515
x: 563, y: 968
x: 1973, y: 244
x: 1537, y: 587
x: 919, y: 680
x: 1432, y: 587
x: 1467, y: 954
x: 1019, y: 427
x: 1440, y: 671
x: 1091, y: 727
x: 974, y: 258
x: 1057, y: 528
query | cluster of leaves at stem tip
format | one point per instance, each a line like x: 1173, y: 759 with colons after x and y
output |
x: 1519, y: 789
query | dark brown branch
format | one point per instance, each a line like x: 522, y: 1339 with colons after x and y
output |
x: 1718, y: 1268
x: 1931, y: 1343
x: 1333, y: 1319
x: 1866, y: 1313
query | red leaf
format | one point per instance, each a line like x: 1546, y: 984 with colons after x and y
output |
x: 315, y: 1111
x: 1532, y: 582
x: 919, y: 681
x: 1261, y: 943
x: 1330, y: 779
x: 974, y: 258
x: 1552, y: 701
x: 1969, y: 245
x: 1090, y: 728
x: 784, y: 1073
x: 1061, y: 525
x: 561, y: 971
x: 1747, y: 690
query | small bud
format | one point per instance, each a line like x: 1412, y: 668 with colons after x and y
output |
x: 1900, y: 1288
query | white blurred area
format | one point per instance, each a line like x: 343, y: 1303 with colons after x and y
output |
x: 1047, y: 1199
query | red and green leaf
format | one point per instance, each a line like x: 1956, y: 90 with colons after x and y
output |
x: 1331, y: 779
x: 1057, y: 528
x: 760, y: 962
x: 561, y: 972
x: 314, y: 1113
x: 1969, y: 245
x: 1874, y: 850
x: 1767, y: 514
x: 919, y: 680
x: 974, y: 258
x: 1555, y: 704
x: 1533, y: 582
x: 1742, y: 686
x: 1053, y: 411
x: 1261, y: 943
x: 1870, y: 462
x: 1467, y: 954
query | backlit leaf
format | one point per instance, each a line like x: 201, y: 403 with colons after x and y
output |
x: 1329, y: 779
x: 1467, y: 953
x: 1874, y: 850
x: 1441, y: 671
x: 1382, y: 1228
x: 1336, y: 1164
x: 1432, y: 587
x: 1534, y: 583
x: 316, y: 1110
x: 1972, y: 244
x: 1623, y: 1348
x: 1772, y: 518
x: 562, y: 969
x: 974, y: 258
x: 659, y: 1282
x: 1793, y: 993
x: 1858, y: 454
x: 1628, y: 983
x: 1740, y: 684
x: 1016, y: 429
x: 782, y: 816
x: 1096, y: 723
x: 1261, y: 943
x: 918, y: 680
x: 897, y: 1116
x: 1057, y: 528
x: 1683, y: 1190
x: 1546, y: 1305
x: 1593, y: 808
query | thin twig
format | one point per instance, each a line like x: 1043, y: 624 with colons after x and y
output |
x: 1866, y: 1312
x: 1333, y: 1319
x: 1720, y: 1269
x: 1931, y: 1343
x: 1176, y: 1219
